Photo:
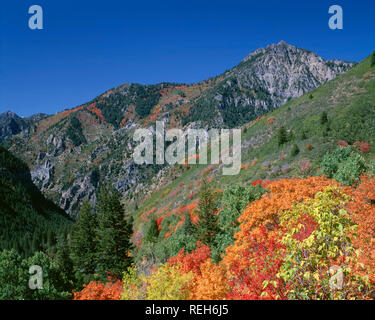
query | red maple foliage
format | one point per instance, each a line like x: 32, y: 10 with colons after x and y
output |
x: 362, y: 146
x: 256, y: 182
x: 254, y: 273
x: 191, y: 261
x: 158, y: 222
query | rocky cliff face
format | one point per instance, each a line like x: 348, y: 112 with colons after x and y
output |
x: 286, y: 71
x: 75, y: 151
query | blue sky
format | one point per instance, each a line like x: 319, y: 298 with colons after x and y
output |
x: 87, y: 47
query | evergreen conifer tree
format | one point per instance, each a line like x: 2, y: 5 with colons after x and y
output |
x: 83, y: 240
x: 324, y: 117
x: 188, y: 227
x: 208, y: 224
x: 295, y: 150
x: 152, y: 231
x: 282, y: 136
x: 114, y: 234
x: 373, y: 59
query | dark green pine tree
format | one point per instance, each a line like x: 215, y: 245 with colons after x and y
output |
x: 373, y: 59
x: 152, y: 233
x: 282, y: 136
x: 64, y: 265
x: 208, y: 223
x: 295, y: 150
x: 35, y: 242
x: 114, y: 234
x: 49, y: 238
x: 323, y: 117
x: 83, y: 240
x: 188, y: 227
x: 63, y: 258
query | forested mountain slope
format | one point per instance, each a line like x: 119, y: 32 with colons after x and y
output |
x: 28, y: 221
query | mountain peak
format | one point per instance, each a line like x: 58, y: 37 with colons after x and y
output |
x: 279, y: 46
x: 9, y: 113
x: 282, y: 43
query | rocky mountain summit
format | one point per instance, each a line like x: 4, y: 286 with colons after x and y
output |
x: 264, y: 80
x: 288, y: 71
x: 73, y: 152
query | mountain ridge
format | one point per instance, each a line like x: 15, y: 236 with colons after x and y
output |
x: 72, y: 152
x: 12, y: 124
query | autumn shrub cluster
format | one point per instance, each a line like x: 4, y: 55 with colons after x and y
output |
x: 310, y: 238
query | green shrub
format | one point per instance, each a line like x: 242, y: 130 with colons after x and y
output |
x: 371, y: 167
x: 332, y: 160
x: 152, y: 233
x: 234, y: 200
x: 344, y: 165
x: 348, y: 172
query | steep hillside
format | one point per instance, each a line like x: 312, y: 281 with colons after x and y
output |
x: 28, y: 221
x: 71, y: 153
x: 340, y: 112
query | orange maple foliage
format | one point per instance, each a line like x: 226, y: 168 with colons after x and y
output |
x: 254, y: 162
x: 362, y: 211
x: 211, y: 284
x: 257, y: 253
x: 283, y: 193
x: 96, y: 290
x: 270, y: 120
x: 209, y: 281
x: 266, y: 211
